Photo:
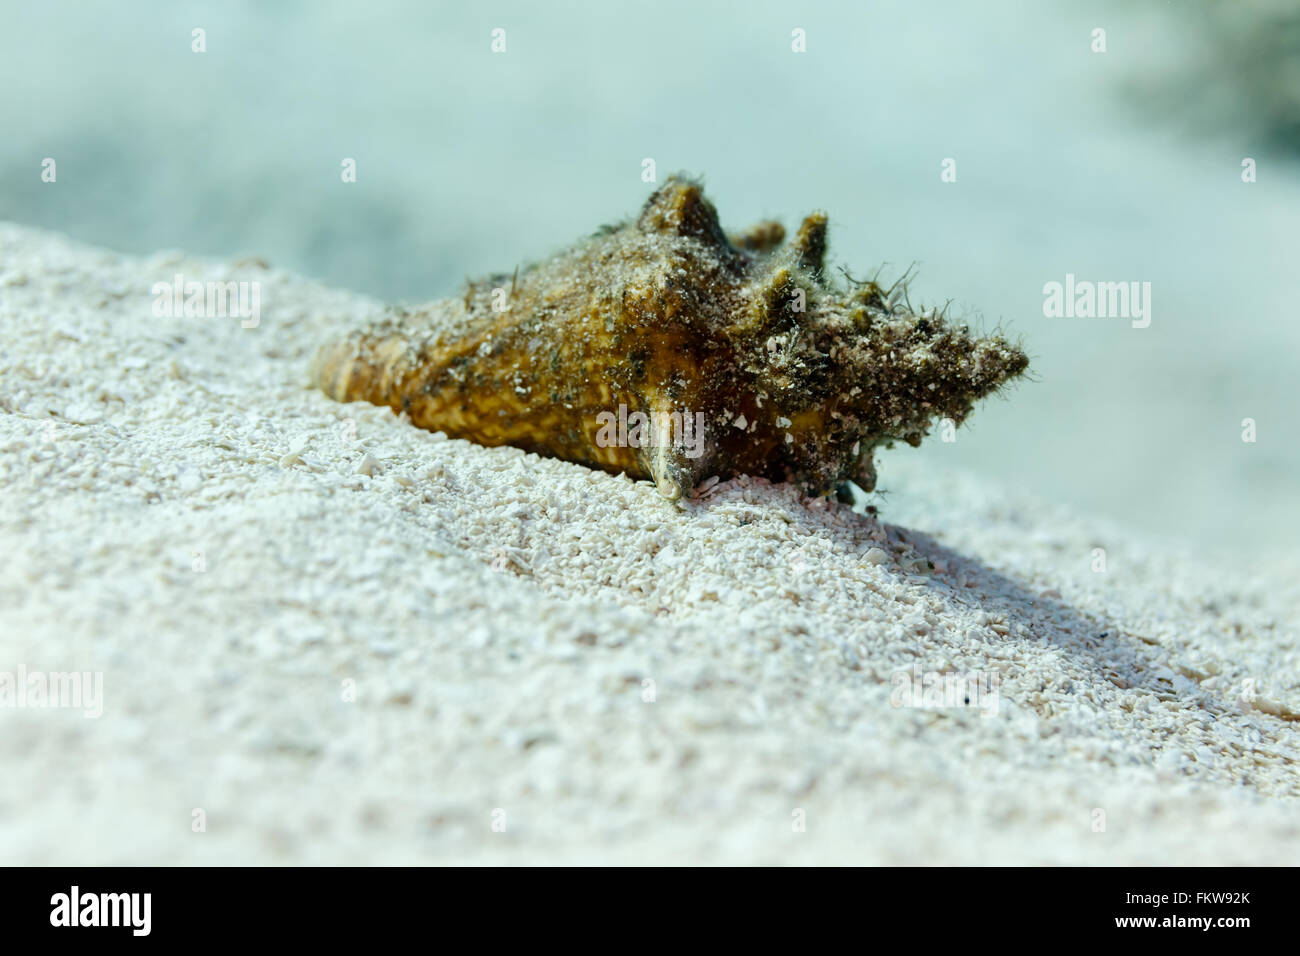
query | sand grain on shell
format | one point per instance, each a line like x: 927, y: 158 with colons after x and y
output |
x: 625, y: 679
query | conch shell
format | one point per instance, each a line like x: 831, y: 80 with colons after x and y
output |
x: 663, y: 349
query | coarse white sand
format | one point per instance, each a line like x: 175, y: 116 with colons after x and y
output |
x: 528, y: 642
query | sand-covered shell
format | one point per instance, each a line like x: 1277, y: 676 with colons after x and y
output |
x: 664, y: 349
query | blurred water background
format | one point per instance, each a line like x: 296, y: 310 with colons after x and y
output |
x: 1117, y: 166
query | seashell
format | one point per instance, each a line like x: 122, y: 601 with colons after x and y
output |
x: 663, y: 349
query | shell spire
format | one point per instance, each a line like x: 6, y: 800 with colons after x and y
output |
x: 665, y: 350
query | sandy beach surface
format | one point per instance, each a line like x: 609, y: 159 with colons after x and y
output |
x: 326, y: 636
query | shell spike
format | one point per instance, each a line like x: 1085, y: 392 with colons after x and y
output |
x: 679, y: 207
x: 810, y: 243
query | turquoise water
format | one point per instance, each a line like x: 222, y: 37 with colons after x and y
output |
x: 1100, y: 165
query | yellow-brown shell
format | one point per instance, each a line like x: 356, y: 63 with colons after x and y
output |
x: 792, y: 378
